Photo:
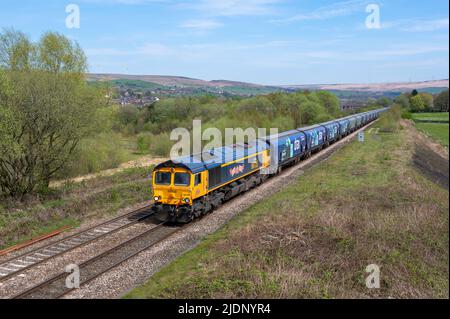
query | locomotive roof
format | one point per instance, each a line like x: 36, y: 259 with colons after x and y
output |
x: 283, y: 134
x: 311, y: 127
x: 215, y: 157
x: 331, y: 122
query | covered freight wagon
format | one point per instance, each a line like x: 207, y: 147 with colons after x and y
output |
x: 315, y: 136
x: 287, y: 146
x: 344, y: 126
x: 352, y: 123
x: 332, y: 131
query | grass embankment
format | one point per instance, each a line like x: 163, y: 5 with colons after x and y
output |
x: 437, y: 131
x: 72, y: 204
x: 366, y: 204
x: 435, y: 116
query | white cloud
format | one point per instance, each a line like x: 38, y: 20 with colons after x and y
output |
x: 229, y: 8
x: 338, y: 9
x: 155, y: 49
x: 417, y: 25
x: 148, y: 49
x: 201, y: 24
x: 407, y: 51
x: 126, y: 2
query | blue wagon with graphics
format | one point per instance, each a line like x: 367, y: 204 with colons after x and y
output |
x: 332, y: 131
x: 352, y: 123
x: 287, y: 147
x: 315, y: 137
x: 344, y: 127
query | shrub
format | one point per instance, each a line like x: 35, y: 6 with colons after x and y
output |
x: 95, y: 154
x: 406, y: 114
x: 161, y: 144
x: 143, y: 143
x: 390, y: 120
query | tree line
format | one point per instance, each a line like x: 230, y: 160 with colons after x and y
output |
x: 423, y: 102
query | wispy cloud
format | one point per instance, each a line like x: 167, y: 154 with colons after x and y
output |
x: 148, y: 49
x: 419, y: 25
x: 201, y: 24
x: 126, y: 2
x: 406, y: 51
x: 338, y: 9
x: 229, y: 8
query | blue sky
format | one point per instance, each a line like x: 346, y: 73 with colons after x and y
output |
x: 260, y: 41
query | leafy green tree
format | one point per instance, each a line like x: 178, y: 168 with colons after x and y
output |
x: 330, y: 102
x: 53, y: 110
x: 310, y: 111
x: 16, y: 51
x: 427, y: 99
x: 57, y: 54
x: 403, y: 101
x: 384, y: 102
x: 417, y: 103
x: 441, y: 101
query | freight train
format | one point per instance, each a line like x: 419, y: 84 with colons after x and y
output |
x: 192, y: 186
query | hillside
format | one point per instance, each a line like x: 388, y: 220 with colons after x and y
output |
x: 170, y: 80
x: 144, y: 89
x: 164, y: 80
x: 150, y: 87
x: 378, y: 87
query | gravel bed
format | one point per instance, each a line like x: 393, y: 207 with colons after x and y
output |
x: 140, y: 268
x: 85, y: 225
x: 12, y: 286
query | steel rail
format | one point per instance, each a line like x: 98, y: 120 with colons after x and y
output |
x: 55, y: 287
x: 25, y: 261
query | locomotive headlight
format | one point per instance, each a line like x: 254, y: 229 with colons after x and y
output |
x: 186, y: 200
x: 157, y: 198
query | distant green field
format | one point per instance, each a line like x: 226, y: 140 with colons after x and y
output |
x: 436, y: 116
x: 136, y: 84
x: 129, y: 84
x: 244, y: 90
x: 437, y: 131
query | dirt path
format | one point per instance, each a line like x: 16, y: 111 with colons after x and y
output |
x: 421, y: 138
x: 141, y: 162
x: 429, y: 157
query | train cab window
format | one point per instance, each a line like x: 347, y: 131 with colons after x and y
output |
x: 163, y: 178
x: 198, y: 179
x: 182, y: 179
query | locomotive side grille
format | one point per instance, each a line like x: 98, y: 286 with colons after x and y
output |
x: 214, y: 177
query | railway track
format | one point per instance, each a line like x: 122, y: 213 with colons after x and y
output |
x: 56, y: 287
x: 16, y: 265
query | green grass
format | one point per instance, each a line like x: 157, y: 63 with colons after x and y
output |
x: 313, y: 239
x: 437, y: 131
x: 435, y: 116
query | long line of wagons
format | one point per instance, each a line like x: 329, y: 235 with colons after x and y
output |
x: 192, y: 186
